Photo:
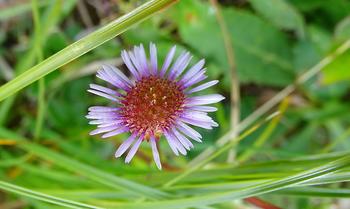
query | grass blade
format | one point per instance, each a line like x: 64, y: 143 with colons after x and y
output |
x: 84, y: 169
x: 44, y: 197
x: 82, y: 46
x: 316, y: 192
x: 260, y: 189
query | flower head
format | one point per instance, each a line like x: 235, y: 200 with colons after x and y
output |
x: 155, y: 102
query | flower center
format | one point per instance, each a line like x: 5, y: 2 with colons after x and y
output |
x: 152, y: 106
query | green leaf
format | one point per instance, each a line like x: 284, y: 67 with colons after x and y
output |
x: 280, y: 13
x: 320, y: 38
x: 306, y: 55
x: 258, y: 58
x: 307, y: 5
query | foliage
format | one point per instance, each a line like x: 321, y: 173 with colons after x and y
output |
x: 297, y: 156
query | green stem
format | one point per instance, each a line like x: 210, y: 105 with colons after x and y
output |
x: 41, y: 83
x: 266, y: 134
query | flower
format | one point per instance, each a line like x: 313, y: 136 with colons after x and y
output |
x: 154, y: 102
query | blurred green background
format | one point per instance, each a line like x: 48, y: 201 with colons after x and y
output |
x: 274, y: 42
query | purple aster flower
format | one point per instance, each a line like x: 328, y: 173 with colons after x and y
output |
x: 156, y: 101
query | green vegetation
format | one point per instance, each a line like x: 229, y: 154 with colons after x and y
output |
x: 290, y: 148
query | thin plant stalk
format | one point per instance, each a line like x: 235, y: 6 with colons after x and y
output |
x: 235, y: 92
x: 266, y: 134
x: 41, y: 83
x: 223, y: 149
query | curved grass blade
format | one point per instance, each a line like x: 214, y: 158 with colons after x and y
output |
x: 82, y: 46
x: 270, y: 186
x: 316, y: 192
x: 88, y: 171
x: 44, y: 197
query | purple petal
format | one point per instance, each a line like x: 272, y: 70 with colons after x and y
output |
x: 117, y: 74
x: 171, y: 143
x: 103, y: 109
x: 202, y: 124
x: 115, y: 122
x: 143, y: 59
x: 179, y: 65
x: 116, y: 132
x: 201, y: 117
x: 101, y: 121
x: 197, y: 115
x: 106, y: 75
x: 103, y: 89
x: 203, y: 108
x: 168, y: 61
x: 183, y: 140
x: 195, y: 79
x: 127, y: 61
x: 203, y: 86
x: 155, y: 153
x: 103, y: 95
x: 133, y: 150
x: 178, y: 145
x: 136, y: 62
x: 193, y: 71
x: 204, y: 100
x: 189, y: 131
x: 102, y: 116
x: 153, y: 58
x: 104, y: 129
x: 125, y: 145
x: 140, y: 60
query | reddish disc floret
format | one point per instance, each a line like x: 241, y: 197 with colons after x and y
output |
x: 152, y: 106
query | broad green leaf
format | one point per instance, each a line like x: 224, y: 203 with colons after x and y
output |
x: 332, y: 11
x: 307, y: 5
x: 335, y: 11
x: 280, y: 13
x: 320, y: 38
x: 306, y: 55
x: 258, y: 58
